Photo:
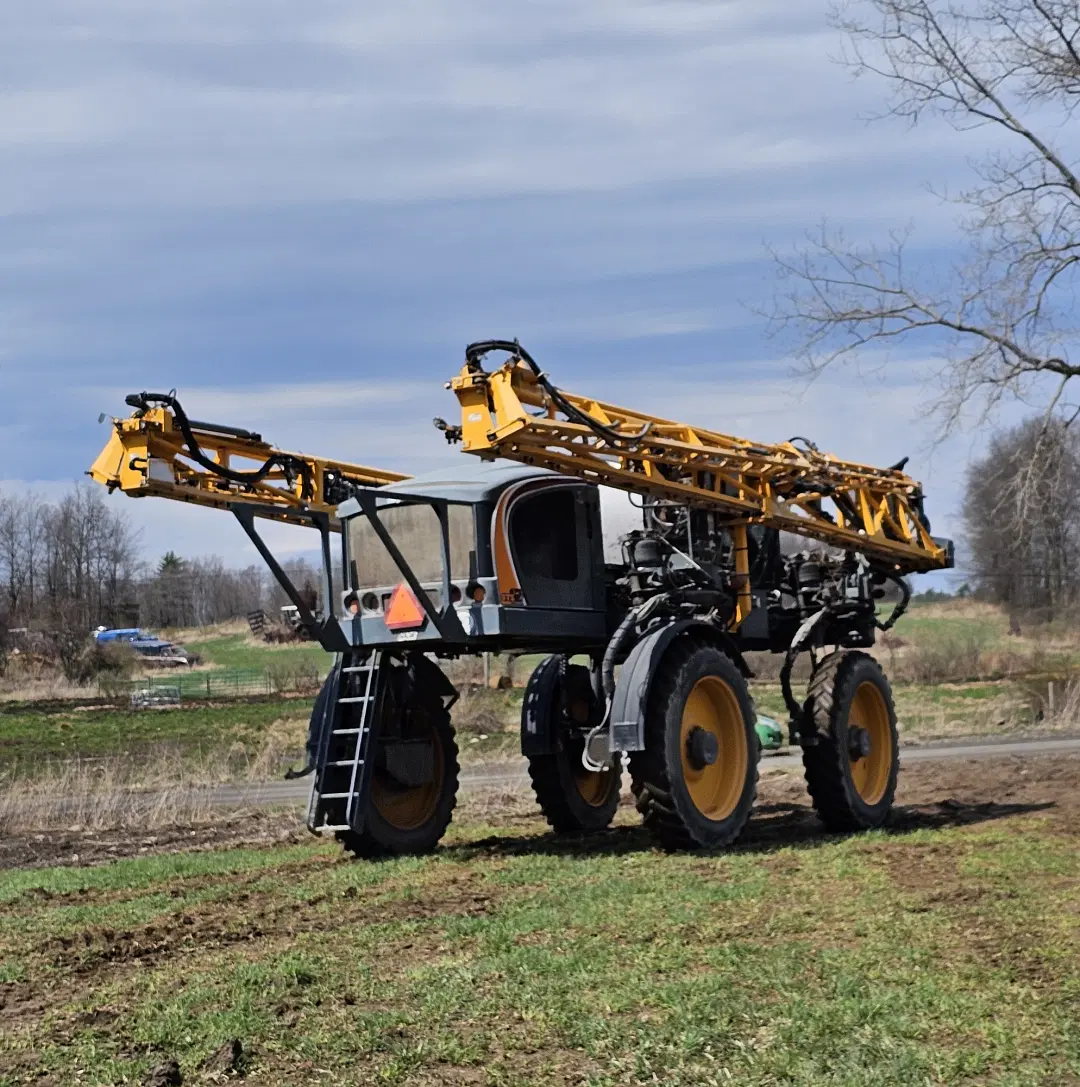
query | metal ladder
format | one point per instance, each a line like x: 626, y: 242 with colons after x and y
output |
x: 339, y: 786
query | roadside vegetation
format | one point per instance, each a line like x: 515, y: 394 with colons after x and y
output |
x: 30, y: 732
x: 235, y: 648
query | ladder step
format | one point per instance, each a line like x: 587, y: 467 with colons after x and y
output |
x: 351, y: 782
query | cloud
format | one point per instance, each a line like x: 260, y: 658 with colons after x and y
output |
x: 430, y: 100
x: 298, y: 214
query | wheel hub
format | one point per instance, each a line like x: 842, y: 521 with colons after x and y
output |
x: 859, y: 743
x: 702, y: 748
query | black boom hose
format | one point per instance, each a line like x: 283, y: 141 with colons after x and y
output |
x: 142, y: 401
x: 475, y: 352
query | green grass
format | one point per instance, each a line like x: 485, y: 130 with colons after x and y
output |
x: 945, y: 711
x: 32, y: 731
x: 935, y: 619
x: 241, y: 651
x: 937, y: 957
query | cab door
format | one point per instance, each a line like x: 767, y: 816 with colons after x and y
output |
x: 556, y: 546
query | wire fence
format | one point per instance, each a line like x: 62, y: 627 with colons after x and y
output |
x: 217, y: 684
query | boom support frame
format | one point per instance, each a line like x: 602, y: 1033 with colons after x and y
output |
x: 159, y: 451
x: 874, y: 511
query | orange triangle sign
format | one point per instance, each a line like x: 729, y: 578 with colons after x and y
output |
x: 403, y: 611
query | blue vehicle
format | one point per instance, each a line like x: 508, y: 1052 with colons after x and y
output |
x: 154, y: 650
x: 122, y: 634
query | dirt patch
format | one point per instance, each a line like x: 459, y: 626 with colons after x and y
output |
x: 930, y: 794
x: 250, y: 917
x: 20, y: 1002
x: 231, y: 830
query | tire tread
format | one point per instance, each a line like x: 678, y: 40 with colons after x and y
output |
x: 825, y: 764
x: 366, y: 846
x: 650, y: 775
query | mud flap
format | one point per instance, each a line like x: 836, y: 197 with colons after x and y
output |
x: 627, y: 719
x: 537, y: 734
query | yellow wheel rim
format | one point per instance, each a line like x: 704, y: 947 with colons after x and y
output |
x: 594, y: 786
x: 715, y: 788
x: 870, y: 773
x: 408, y: 808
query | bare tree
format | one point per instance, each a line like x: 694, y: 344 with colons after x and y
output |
x: 1022, y: 518
x: 70, y: 565
x: 198, y: 592
x: 1003, y: 315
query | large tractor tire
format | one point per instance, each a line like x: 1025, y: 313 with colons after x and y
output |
x: 408, y: 818
x: 851, y: 767
x: 696, y: 779
x: 573, y: 798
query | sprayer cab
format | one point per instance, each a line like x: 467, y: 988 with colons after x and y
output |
x: 478, y: 557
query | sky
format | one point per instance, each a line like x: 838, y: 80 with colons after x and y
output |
x: 297, y: 215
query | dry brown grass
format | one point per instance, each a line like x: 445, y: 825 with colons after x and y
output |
x: 966, y: 656
x: 202, y: 634
x: 489, y: 712
x: 496, y: 806
x: 41, y: 688
x: 1065, y: 712
x: 114, y: 792
x: 990, y: 614
x: 101, y: 795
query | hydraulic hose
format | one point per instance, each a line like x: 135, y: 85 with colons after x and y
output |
x: 475, y: 352
x: 618, y: 639
x: 901, y: 607
x: 143, y: 400
x: 622, y: 635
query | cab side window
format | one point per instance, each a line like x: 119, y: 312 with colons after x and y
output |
x: 543, y: 535
x: 551, y: 538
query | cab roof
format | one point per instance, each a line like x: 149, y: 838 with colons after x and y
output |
x: 481, y: 481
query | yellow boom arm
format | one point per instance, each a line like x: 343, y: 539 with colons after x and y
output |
x: 159, y: 451
x: 874, y: 511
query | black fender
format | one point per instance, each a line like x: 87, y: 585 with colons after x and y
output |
x: 537, y: 735
x: 426, y: 676
x: 322, y: 716
x: 628, y: 704
x: 423, y: 674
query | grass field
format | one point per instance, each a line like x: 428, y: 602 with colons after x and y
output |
x: 34, y: 731
x: 927, y: 713
x: 244, y: 651
x: 944, y: 952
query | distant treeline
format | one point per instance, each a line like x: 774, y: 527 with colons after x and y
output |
x: 1022, y: 520
x: 74, y: 564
